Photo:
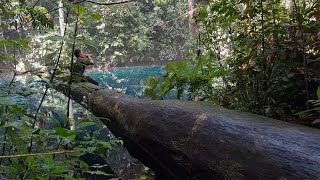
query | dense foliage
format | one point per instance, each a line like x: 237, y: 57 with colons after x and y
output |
x: 258, y: 56
x: 38, y: 140
x: 137, y: 33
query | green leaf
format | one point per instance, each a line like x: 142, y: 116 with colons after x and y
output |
x: 96, y: 17
x: 78, y: 9
x: 105, y: 144
x: 31, y: 162
x: 65, y: 132
x: 6, y: 42
x: 23, y: 43
x: 86, y: 124
x: 41, y: 178
x: 84, y: 165
x: 5, y: 57
x: 318, y: 92
x: 84, y: 20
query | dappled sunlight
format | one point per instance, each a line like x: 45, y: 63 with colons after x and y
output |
x: 116, y: 108
x: 199, y: 121
x: 169, y: 79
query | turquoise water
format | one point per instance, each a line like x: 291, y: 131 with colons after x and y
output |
x: 129, y: 80
x: 126, y: 80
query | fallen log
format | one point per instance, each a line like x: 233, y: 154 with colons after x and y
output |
x: 197, y: 140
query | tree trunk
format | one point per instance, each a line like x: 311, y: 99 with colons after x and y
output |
x: 62, y: 25
x: 196, y: 140
x: 191, y: 10
x: 61, y: 18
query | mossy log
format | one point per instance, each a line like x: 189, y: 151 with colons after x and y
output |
x: 197, y: 140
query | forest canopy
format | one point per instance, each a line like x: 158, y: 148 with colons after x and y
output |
x: 257, y: 56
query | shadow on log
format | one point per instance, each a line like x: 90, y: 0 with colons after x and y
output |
x: 197, y: 140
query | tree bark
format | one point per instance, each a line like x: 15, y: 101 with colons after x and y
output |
x: 61, y: 18
x: 196, y: 140
x: 191, y: 10
x: 62, y: 25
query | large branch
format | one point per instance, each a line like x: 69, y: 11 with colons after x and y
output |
x: 186, y: 140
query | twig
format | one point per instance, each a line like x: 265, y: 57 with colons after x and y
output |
x: 71, y: 63
x: 315, y: 43
x: 111, y: 3
x: 4, y: 80
x: 38, y: 154
x: 57, y: 148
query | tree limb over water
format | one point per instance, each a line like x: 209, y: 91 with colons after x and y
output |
x: 197, y: 140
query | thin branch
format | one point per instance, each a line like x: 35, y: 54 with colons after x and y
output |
x: 111, y: 3
x: 57, y: 148
x: 4, y: 80
x: 38, y: 154
x: 71, y: 63
x: 15, y: 68
x: 315, y: 43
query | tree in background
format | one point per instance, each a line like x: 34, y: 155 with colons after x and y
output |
x: 136, y: 33
x: 258, y: 56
